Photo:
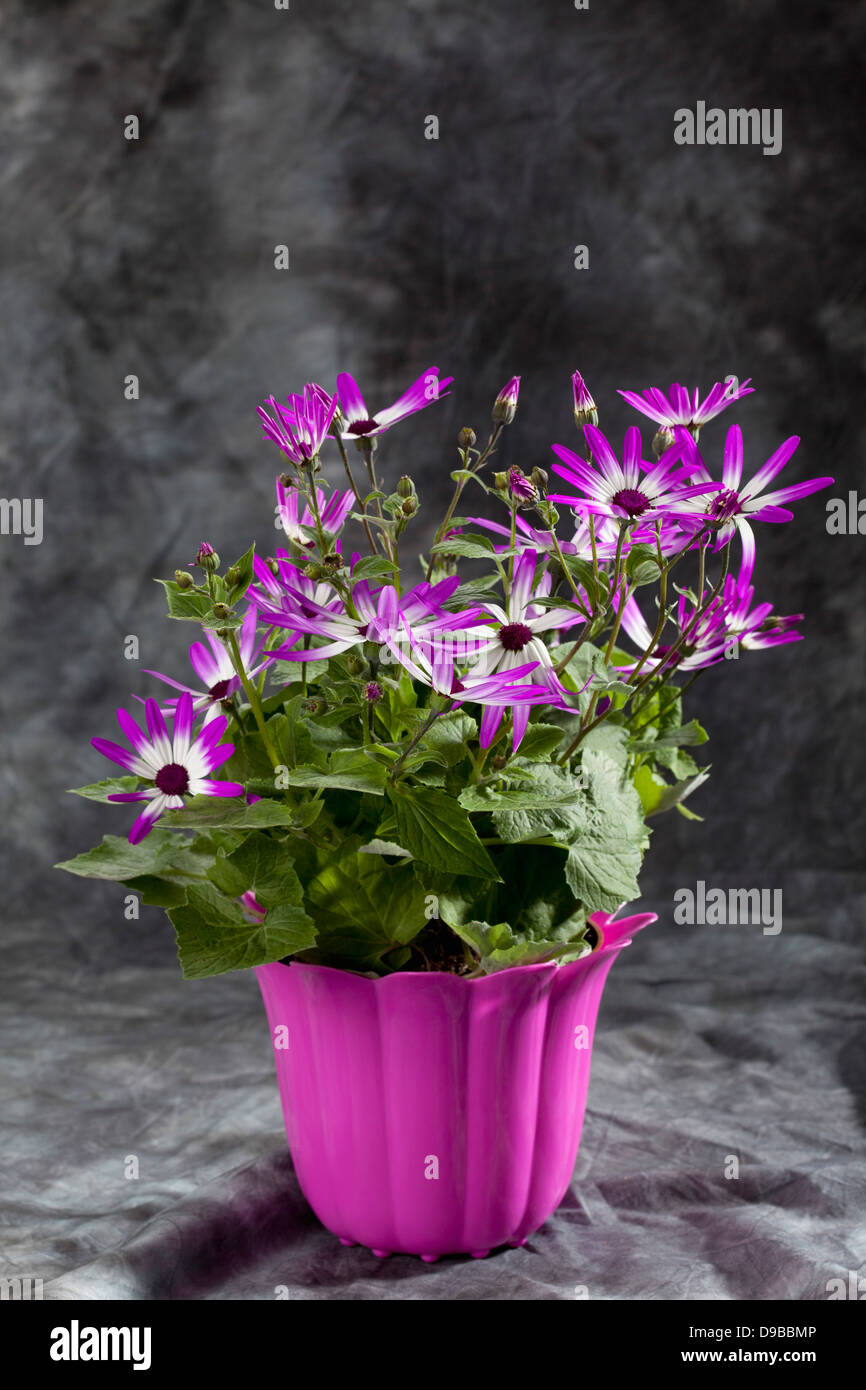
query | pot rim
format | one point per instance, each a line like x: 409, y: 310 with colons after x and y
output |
x: 602, y: 947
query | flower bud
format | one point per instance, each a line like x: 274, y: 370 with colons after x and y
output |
x: 405, y: 486
x: 539, y: 479
x: 662, y: 440
x: 183, y: 580
x: 333, y: 562
x: 314, y: 571
x: 206, y: 557
x: 520, y: 489
x: 354, y: 664
x: 585, y: 412
x: 466, y: 438
x: 498, y: 762
x: 222, y: 610
x: 373, y: 692
x: 500, y: 482
x: 233, y: 576
x: 410, y: 506
x: 272, y: 565
x: 316, y: 705
x: 505, y: 405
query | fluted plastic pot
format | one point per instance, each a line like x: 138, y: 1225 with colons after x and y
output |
x: 431, y: 1114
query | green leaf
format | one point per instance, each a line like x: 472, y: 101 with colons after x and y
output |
x: 186, y: 603
x: 348, y: 768
x: 445, y: 742
x: 260, y: 864
x: 474, y: 546
x: 214, y: 936
x: 374, y: 567
x: 540, y: 740
x: 217, y: 812
x: 117, y: 859
x: 437, y: 830
x: 500, y: 948
x: 642, y: 566
x: 605, y: 854
x: 100, y: 791
x: 157, y: 892
x: 364, y: 907
x: 245, y: 567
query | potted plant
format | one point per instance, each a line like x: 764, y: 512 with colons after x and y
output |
x: 414, y: 801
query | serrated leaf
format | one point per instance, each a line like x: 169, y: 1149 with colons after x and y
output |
x: 115, y: 858
x: 214, y: 936
x: 185, y: 604
x: 100, y: 791
x: 364, y: 908
x: 605, y: 854
x: 436, y: 829
x: 260, y: 864
x: 218, y: 812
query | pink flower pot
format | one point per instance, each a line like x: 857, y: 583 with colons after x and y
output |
x: 431, y: 1114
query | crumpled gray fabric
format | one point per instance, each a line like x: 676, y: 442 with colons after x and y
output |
x: 712, y: 1043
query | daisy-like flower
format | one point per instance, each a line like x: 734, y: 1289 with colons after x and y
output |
x: 680, y: 408
x: 623, y: 491
x: 301, y: 425
x: 213, y: 666
x: 294, y: 513
x: 710, y: 636
x: 176, y: 766
x: 517, y: 640
x: 434, y: 662
x: 384, y: 617
x: 585, y: 410
x: 738, y: 503
x: 356, y: 422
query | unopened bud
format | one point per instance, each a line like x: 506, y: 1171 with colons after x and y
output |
x: 505, y: 405
x: 539, y: 479
x: 410, y: 506
x: 316, y: 705
x: 183, y: 580
x: 466, y: 438
x: 373, y: 692
x: 222, y: 610
x: 500, y: 482
x: 405, y: 486
x: 313, y: 571
x: 585, y: 412
x: 334, y: 561
x: 272, y: 565
x: 662, y: 440
x: 206, y: 557
x: 233, y: 576
x: 354, y: 664
x: 520, y: 489
x: 497, y: 762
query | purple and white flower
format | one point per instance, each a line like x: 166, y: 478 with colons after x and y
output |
x: 737, y: 504
x: 213, y: 666
x: 585, y: 409
x: 300, y: 427
x: 505, y: 405
x: 176, y: 765
x: 356, y: 422
x: 294, y: 513
x: 518, y: 640
x: 680, y: 408
x: 633, y: 489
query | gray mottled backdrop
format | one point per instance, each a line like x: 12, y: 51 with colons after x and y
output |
x: 156, y: 257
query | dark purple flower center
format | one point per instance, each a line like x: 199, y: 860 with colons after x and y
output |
x: 373, y: 692
x: 515, y: 636
x: 631, y: 501
x: 724, y: 505
x: 362, y: 427
x: 173, y: 779
x: 220, y: 690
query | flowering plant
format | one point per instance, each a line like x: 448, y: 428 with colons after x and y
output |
x: 429, y: 773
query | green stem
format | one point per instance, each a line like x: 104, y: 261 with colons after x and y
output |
x: 358, y: 498
x: 252, y: 696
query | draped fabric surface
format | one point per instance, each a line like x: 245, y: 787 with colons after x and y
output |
x: 713, y: 1044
